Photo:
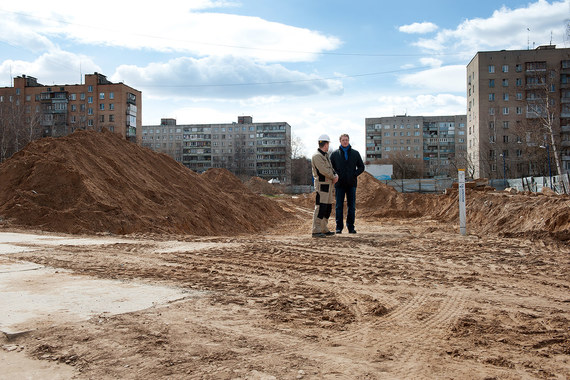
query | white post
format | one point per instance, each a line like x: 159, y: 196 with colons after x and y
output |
x: 462, y: 217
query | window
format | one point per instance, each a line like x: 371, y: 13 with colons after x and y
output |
x: 491, y: 83
x: 518, y: 82
x: 491, y: 125
x: 505, y: 153
x: 90, y: 122
x: 519, y: 110
x: 519, y: 95
x: 111, y: 106
x: 491, y: 97
x: 491, y: 69
x: 505, y: 83
x: 90, y: 99
x: 101, y: 95
x: 505, y: 68
x: 505, y: 110
x: 491, y: 111
x: 90, y: 111
x: 518, y: 68
x: 102, y: 106
x: 111, y: 117
x: 492, y: 139
x: 505, y: 138
x: 82, y: 96
x: 111, y: 95
x: 90, y: 88
x: 102, y: 118
x: 505, y: 96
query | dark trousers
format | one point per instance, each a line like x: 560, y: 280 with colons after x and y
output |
x: 350, y: 194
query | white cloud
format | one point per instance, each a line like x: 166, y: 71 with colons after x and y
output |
x: 223, y: 77
x: 182, y: 26
x: 57, y: 67
x: 433, y: 62
x: 418, y: 27
x: 449, y: 78
x: 421, y: 105
x: 511, y: 25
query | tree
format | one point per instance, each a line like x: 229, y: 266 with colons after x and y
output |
x: 405, y: 166
x: 19, y: 125
x: 542, y: 110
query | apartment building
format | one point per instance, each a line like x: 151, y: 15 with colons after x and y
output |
x: 244, y: 148
x: 510, y: 96
x: 58, y: 110
x: 437, y: 143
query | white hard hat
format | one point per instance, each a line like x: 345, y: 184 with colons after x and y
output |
x: 324, y: 138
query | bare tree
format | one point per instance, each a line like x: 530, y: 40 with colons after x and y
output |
x: 297, y: 147
x: 19, y: 125
x: 405, y: 166
x: 542, y: 110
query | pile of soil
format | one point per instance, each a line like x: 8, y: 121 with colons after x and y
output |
x: 260, y: 186
x: 533, y: 215
x: 97, y: 182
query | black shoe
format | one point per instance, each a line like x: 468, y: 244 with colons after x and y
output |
x: 339, y: 231
x: 351, y: 231
x: 329, y: 233
x: 319, y: 235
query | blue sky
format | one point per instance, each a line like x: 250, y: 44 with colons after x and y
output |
x: 323, y: 66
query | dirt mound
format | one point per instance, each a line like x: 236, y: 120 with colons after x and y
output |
x: 522, y: 214
x: 376, y: 199
x: 260, y: 186
x: 96, y: 182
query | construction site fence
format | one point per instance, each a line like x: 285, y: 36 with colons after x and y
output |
x: 559, y: 183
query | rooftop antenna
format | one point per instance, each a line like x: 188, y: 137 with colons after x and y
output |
x: 527, y: 38
x: 551, y: 38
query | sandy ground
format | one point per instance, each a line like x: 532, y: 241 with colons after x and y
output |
x: 402, y: 299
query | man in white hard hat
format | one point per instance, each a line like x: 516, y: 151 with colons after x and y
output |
x: 325, y: 178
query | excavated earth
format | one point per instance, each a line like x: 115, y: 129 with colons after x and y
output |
x: 405, y: 297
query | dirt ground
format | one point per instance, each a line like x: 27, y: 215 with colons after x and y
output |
x: 402, y: 299
x: 407, y: 297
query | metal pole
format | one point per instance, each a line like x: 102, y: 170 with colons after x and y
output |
x: 461, y: 188
x: 549, y: 169
x: 504, y: 171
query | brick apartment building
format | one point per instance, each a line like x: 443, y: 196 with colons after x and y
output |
x: 508, y: 94
x: 58, y: 110
x: 244, y: 148
x: 436, y: 143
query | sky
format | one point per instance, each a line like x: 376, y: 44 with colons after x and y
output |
x: 323, y: 66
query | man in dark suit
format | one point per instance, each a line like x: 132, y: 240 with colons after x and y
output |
x: 348, y: 164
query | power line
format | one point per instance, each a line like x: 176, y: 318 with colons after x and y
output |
x: 357, y: 54
x: 286, y: 82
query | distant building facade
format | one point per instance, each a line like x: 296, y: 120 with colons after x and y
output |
x: 437, y: 142
x: 58, y: 110
x: 244, y: 148
x: 509, y: 93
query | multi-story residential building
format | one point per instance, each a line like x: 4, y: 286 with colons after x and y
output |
x: 57, y: 110
x: 518, y: 112
x: 437, y: 142
x: 245, y: 148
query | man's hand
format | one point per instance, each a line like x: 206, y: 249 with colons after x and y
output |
x: 335, y: 179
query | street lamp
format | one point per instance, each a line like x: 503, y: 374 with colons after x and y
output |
x: 504, y: 170
x: 549, y: 168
